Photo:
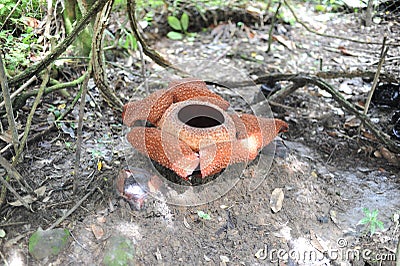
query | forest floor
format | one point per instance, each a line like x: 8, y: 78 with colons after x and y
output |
x: 327, y: 172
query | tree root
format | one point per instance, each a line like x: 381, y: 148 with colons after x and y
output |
x: 301, y: 79
x: 158, y: 59
x: 99, y: 73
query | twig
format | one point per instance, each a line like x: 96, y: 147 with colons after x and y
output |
x: 13, y: 224
x: 91, y: 176
x: 272, y: 27
x: 68, y: 213
x: 79, y: 244
x: 36, y: 68
x: 4, y: 259
x: 377, y: 73
x: 328, y: 35
x: 12, y: 172
x: 7, y: 101
x: 146, y: 85
x: 80, y: 126
x: 24, y: 86
x: 352, y: 74
x: 398, y: 252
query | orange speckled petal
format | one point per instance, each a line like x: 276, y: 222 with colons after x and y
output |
x: 189, y: 88
x: 215, y: 157
x: 263, y: 129
x: 253, y: 134
x: 161, y: 148
x: 150, y: 108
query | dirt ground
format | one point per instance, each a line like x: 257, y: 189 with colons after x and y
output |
x: 327, y: 173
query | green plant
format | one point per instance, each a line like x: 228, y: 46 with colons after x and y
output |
x: 27, y: 8
x: 180, y: 25
x: 204, y: 216
x: 127, y: 40
x: 371, y: 220
x: 16, y: 49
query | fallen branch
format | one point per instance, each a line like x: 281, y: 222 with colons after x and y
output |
x: 304, y: 79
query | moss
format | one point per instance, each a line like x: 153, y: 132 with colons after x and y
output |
x: 48, y: 243
x: 120, y: 251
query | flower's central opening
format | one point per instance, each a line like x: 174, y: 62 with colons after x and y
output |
x: 201, y: 116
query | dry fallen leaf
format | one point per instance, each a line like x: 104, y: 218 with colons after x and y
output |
x: 317, y: 242
x: 28, y: 199
x: 287, y: 43
x: 352, y: 121
x: 389, y: 156
x: 97, y: 231
x: 186, y: 224
x: 333, y: 215
x: 276, y: 199
x: 40, y: 191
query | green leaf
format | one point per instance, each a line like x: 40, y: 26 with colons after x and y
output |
x: 373, y: 229
x: 380, y: 225
x: 174, y: 23
x: 364, y: 220
x: 320, y: 8
x: 173, y: 35
x: 374, y: 213
x: 185, y: 21
x: 367, y: 212
x: 203, y: 215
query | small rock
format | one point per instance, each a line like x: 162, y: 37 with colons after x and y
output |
x: 276, y: 199
x: 224, y: 259
x: 45, y: 243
